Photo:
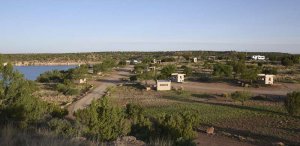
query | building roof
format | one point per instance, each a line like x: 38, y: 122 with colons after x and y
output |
x: 175, y: 74
x: 163, y: 81
x: 263, y: 75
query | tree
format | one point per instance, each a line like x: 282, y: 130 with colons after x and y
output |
x: 187, y: 70
x: 286, y: 61
x: 148, y: 75
x: 238, y: 67
x: 241, y: 96
x: 270, y: 70
x: 292, y: 103
x: 250, y: 74
x: 16, y: 101
x: 222, y: 70
x: 168, y: 70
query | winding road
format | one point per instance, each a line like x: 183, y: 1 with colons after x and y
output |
x: 100, y: 88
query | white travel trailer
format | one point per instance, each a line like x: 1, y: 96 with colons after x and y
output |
x: 177, y: 77
x: 258, y: 57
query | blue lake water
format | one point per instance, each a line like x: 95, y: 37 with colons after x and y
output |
x: 32, y: 72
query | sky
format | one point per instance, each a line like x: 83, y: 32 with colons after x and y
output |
x: 59, y: 26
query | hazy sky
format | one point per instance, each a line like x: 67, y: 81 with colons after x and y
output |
x: 28, y: 26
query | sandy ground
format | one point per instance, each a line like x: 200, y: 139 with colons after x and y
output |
x: 220, y: 88
x: 218, y: 140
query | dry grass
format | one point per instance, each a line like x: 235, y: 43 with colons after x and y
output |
x: 264, y: 120
x: 127, y: 94
x: 36, y: 137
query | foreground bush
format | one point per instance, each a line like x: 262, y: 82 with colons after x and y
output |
x: 102, y: 121
x: 10, y: 136
x: 178, y: 125
x: 292, y: 103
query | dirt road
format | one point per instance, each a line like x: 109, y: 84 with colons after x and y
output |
x: 99, y: 90
x: 219, y: 88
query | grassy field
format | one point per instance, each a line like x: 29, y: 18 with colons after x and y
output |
x: 259, y: 121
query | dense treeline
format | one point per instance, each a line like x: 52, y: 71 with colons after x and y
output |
x: 164, y: 56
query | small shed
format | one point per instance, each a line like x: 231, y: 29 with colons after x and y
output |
x: 80, y: 81
x: 195, y: 59
x: 177, y: 77
x: 4, y: 64
x: 127, y: 61
x: 266, y: 79
x: 163, y: 85
x: 152, y: 68
x: 156, y: 61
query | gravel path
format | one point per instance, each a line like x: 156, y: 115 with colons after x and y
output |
x: 98, y: 92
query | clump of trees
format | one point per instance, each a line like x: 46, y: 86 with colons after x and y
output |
x: 241, y: 96
x: 292, y: 103
x: 17, y: 104
x: 103, y: 121
x: 64, y: 79
x: 168, y: 59
x: 222, y: 70
x: 187, y: 70
x: 290, y: 60
x: 105, y: 66
x: 167, y: 71
x: 270, y: 70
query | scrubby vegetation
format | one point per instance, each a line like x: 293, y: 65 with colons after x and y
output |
x: 241, y: 96
x: 103, y: 122
x: 292, y: 103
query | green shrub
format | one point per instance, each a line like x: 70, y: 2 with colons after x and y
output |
x: 54, y: 76
x: 58, y: 112
x: 241, y: 96
x: 168, y: 70
x: 178, y: 125
x: 62, y: 127
x: 67, y: 89
x: 103, y: 122
x: 292, y: 103
x: 141, y: 126
x: 222, y: 70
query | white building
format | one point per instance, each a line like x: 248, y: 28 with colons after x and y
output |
x: 127, y: 61
x: 156, y: 61
x: 4, y: 64
x: 80, y: 81
x: 258, y: 57
x: 266, y: 79
x: 163, y: 85
x: 195, y: 59
x: 177, y: 77
x: 135, y: 62
x: 152, y: 68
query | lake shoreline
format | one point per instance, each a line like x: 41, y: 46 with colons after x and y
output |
x: 52, y: 64
x: 33, y: 72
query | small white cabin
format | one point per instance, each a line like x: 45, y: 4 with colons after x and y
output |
x: 177, y: 77
x: 127, y: 61
x: 4, y: 64
x: 258, y: 57
x: 156, y: 61
x: 195, y: 59
x: 163, y: 85
x: 266, y: 79
x: 135, y: 62
x: 152, y: 68
x: 80, y: 81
